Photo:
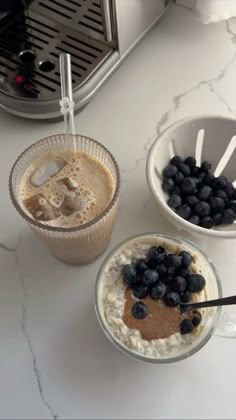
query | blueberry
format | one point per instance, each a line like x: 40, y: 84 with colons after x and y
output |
x: 206, y: 222
x: 204, y: 193
x: 174, y: 201
x: 217, y: 219
x: 188, y: 185
x: 152, y: 264
x: 140, y: 291
x: 178, y: 177
x: 221, y: 194
x: 152, y: 252
x: 161, y: 252
x: 184, y: 211
x: 185, y: 169
x: 183, y: 272
x: 179, y: 284
x: 186, y: 326
x: 191, y: 200
x: 173, y: 260
x: 167, y: 279
x: 170, y: 171
x: 176, y: 160
x: 197, y: 180
x: 217, y: 204
x: 171, y: 270
x: 168, y: 184
x: 195, y: 283
x: 194, y: 219
x: 232, y: 205
x: 139, y: 310
x: 158, y: 290
x: 171, y: 299
x: 209, y: 179
x: 186, y: 258
x: 185, y: 297
x: 196, y: 171
x: 157, y: 253
x: 205, y: 166
x: 229, y: 189
x: 161, y: 269
x: 149, y: 277
x: 201, y: 177
x: 190, y: 161
x: 196, y: 319
x: 220, y: 182
x: 141, y: 266
x: 129, y: 274
x: 176, y: 190
x: 202, y: 208
x: 228, y: 217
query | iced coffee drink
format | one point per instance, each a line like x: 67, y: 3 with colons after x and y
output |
x: 68, y: 194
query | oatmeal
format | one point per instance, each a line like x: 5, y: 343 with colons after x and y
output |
x: 114, y: 298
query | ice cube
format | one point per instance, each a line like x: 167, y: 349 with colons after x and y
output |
x: 66, y: 186
x: 50, y: 167
x: 73, y: 199
x: 40, y: 208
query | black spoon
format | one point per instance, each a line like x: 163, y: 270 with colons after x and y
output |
x: 185, y: 307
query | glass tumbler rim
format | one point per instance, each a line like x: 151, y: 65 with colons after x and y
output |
x: 83, y: 227
x: 118, y: 343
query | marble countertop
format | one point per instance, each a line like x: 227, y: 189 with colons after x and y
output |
x: 55, y: 360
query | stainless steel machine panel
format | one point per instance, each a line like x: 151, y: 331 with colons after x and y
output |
x: 97, y: 33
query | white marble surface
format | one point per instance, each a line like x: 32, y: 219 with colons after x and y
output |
x: 55, y: 361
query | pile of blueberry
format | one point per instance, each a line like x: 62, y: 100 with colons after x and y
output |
x: 164, y: 276
x: 196, y: 195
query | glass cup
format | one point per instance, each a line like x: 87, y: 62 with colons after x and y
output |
x: 74, y: 245
x: 217, y: 321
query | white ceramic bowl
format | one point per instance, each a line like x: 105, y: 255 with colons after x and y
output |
x: 208, y: 138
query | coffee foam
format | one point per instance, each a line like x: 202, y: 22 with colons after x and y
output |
x: 91, y: 177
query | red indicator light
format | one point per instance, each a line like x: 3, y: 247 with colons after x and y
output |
x: 19, y: 78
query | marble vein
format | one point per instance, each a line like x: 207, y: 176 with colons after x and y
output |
x: 7, y: 248
x: 176, y: 102
x: 146, y: 147
x: 15, y: 250
x: 230, y: 32
x: 222, y: 99
x: 35, y: 365
x: 178, y: 98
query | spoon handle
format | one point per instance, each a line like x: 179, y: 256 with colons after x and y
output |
x: 231, y: 300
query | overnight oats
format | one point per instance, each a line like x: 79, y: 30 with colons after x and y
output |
x: 139, y: 291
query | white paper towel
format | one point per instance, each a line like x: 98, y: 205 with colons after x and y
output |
x: 208, y: 11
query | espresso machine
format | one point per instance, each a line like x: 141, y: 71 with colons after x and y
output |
x: 98, y: 34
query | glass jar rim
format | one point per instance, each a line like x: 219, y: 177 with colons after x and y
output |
x: 51, y: 140
x: 118, y: 343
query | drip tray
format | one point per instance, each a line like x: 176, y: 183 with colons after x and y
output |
x: 83, y: 14
x: 31, y: 44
